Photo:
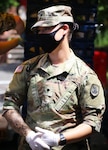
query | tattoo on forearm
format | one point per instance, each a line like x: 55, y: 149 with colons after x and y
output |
x: 16, y: 122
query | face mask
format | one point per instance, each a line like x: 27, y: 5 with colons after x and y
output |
x: 47, y: 41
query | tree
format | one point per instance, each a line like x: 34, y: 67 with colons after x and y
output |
x: 7, y: 3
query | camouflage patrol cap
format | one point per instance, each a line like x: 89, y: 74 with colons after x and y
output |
x: 53, y: 15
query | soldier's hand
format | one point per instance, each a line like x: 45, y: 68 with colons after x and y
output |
x: 35, y: 142
x: 49, y: 137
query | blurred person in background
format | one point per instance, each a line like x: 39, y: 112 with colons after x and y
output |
x: 9, y: 33
x: 12, y: 27
x: 20, y: 24
x: 22, y: 10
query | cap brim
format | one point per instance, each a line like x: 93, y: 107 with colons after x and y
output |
x: 52, y: 21
x: 44, y: 24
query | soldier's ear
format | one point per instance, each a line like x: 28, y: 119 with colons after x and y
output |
x: 65, y: 27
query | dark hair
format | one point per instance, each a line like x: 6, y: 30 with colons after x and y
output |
x: 7, y: 22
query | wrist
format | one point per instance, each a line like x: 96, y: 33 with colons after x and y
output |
x: 29, y: 135
x: 62, y: 140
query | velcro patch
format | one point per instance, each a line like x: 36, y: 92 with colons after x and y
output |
x: 94, y: 90
x: 19, y: 69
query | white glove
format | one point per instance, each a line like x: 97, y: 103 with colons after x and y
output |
x: 49, y: 137
x: 35, y: 142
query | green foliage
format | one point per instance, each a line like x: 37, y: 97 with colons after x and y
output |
x: 103, y: 12
x: 101, y: 39
x: 4, y: 4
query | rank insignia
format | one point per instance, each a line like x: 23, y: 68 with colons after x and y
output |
x: 94, y: 90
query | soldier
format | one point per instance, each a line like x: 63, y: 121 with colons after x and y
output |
x: 65, y: 99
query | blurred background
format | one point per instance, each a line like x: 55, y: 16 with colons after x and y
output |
x: 90, y: 43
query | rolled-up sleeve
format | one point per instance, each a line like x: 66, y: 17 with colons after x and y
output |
x: 16, y: 91
x: 92, y: 101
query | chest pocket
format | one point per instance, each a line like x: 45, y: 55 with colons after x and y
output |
x: 41, y: 92
x: 59, y: 93
x: 68, y: 99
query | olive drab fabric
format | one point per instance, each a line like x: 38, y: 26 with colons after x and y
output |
x: 58, y: 96
x: 53, y: 15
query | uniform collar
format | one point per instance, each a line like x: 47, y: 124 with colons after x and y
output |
x: 53, y: 70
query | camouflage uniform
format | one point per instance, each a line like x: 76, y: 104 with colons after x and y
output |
x: 58, y: 97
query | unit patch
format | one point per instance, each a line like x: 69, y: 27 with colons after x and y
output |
x: 94, y: 91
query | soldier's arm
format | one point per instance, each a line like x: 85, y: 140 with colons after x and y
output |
x: 93, y: 106
x: 16, y: 122
x: 78, y: 133
x: 14, y: 98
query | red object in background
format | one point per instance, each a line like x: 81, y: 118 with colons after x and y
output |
x: 23, y: 2
x: 100, y: 61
